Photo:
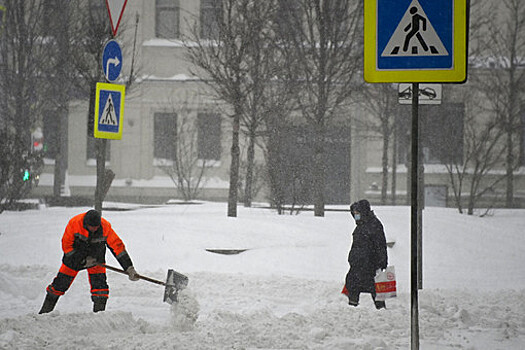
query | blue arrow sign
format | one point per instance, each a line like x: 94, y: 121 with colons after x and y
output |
x: 112, y: 60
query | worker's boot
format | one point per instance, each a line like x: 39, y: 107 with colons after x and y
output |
x: 99, y: 304
x: 49, y: 303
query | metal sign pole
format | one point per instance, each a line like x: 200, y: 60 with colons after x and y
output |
x: 414, y: 320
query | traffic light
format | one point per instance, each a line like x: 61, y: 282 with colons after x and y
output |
x: 38, y: 145
x: 26, y: 175
x: 37, y: 140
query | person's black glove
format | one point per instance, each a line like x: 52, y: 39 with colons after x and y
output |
x: 81, y: 246
x: 132, y: 274
x: 90, y: 262
x: 379, y: 270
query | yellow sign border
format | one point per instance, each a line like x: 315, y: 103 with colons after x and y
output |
x: 109, y: 87
x: 456, y: 75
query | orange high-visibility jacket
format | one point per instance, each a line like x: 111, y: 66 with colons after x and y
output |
x: 78, y: 243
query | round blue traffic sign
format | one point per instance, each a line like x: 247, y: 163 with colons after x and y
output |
x: 112, y: 60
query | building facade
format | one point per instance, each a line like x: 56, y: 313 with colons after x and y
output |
x: 168, y: 102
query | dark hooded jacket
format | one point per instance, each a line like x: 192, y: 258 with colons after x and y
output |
x: 368, y: 252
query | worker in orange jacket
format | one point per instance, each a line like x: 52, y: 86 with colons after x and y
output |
x: 84, y: 245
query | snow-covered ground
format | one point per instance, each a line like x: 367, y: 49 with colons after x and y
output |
x: 283, y: 292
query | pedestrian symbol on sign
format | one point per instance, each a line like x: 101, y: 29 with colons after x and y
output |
x: 108, y: 116
x: 414, y: 29
x: 414, y: 25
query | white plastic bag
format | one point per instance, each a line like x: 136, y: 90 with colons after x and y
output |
x: 385, y: 282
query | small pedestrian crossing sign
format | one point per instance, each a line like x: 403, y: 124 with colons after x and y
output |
x: 415, y: 40
x: 109, y: 111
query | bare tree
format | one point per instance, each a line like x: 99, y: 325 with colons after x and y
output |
x: 186, y: 170
x: 474, y: 173
x: 380, y: 101
x: 502, y: 49
x: 263, y: 69
x: 57, y: 28
x: 50, y: 53
x: 280, y: 101
x: 89, y: 33
x: 235, y: 63
x: 23, y: 63
x: 321, y: 41
x: 68, y: 22
x: 482, y: 152
x: 247, y: 193
x: 86, y: 58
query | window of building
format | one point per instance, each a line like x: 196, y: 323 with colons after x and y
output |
x: 51, y: 134
x: 288, y: 19
x: 439, y: 144
x: 50, y: 16
x: 165, y: 137
x: 167, y: 19
x: 209, y: 18
x: 443, y: 145
x: 209, y: 136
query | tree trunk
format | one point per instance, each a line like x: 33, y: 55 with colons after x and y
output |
x: 234, y: 167
x: 384, y: 162
x: 472, y: 196
x: 408, y: 165
x: 61, y: 159
x: 319, y: 171
x: 509, y: 195
x: 248, y: 189
x: 101, y: 145
x: 275, y: 164
x: 394, y: 168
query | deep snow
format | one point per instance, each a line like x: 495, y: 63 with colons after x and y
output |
x: 283, y: 292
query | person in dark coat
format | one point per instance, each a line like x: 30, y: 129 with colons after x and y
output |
x: 367, y: 254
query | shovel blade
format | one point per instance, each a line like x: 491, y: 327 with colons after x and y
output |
x: 174, y: 282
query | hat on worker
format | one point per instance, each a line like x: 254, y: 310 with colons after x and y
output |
x: 92, y: 218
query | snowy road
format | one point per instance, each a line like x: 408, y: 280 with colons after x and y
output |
x: 283, y: 293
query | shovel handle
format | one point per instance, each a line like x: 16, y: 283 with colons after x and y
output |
x: 140, y: 276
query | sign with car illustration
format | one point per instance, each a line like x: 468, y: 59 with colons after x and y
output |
x: 429, y: 94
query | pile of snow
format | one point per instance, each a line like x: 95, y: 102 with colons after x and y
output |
x: 282, y: 292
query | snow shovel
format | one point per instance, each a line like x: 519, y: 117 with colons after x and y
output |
x: 174, y: 282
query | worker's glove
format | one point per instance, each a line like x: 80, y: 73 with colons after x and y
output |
x: 132, y: 274
x: 90, y: 262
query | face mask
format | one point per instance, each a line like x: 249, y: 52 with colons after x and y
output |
x: 357, y: 217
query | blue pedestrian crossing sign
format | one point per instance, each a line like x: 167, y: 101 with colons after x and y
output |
x: 109, y: 111
x: 415, y: 41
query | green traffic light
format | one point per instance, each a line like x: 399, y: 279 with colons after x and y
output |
x: 26, y: 175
